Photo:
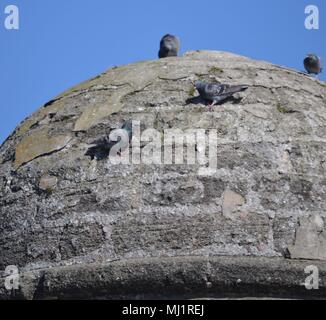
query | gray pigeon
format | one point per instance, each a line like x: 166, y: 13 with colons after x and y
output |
x: 169, y: 46
x: 216, y: 92
x: 102, y: 147
x: 312, y: 64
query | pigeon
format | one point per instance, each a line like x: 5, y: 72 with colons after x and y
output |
x: 102, y: 147
x: 312, y: 64
x: 217, y: 92
x: 169, y: 46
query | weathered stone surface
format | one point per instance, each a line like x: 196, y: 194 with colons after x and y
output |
x: 48, y: 183
x: 231, y: 203
x: 38, y: 144
x: 310, y: 240
x: 60, y: 210
x: 95, y: 113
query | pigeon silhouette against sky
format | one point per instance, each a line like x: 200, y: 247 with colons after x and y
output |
x: 102, y: 147
x: 216, y: 92
x: 312, y: 64
x: 169, y: 46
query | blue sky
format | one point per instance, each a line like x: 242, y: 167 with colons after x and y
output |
x: 63, y: 42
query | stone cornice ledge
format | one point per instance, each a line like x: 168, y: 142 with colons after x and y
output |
x: 174, y: 278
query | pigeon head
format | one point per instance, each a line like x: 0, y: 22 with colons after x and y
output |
x: 200, y: 86
x: 168, y: 41
x: 167, y: 36
x: 313, y: 56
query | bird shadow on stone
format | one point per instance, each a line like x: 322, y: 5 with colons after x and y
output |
x: 195, y: 100
x: 200, y: 100
x: 100, y: 149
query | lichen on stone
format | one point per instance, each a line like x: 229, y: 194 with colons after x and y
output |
x: 38, y: 144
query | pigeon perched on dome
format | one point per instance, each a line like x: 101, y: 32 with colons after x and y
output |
x: 169, y: 46
x: 216, y: 92
x: 312, y: 64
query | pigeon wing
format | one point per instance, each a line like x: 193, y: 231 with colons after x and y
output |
x: 213, y: 90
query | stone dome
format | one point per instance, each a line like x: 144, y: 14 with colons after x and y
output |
x: 79, y: 226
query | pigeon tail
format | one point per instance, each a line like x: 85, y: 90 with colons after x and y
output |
x: 235, y: 89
